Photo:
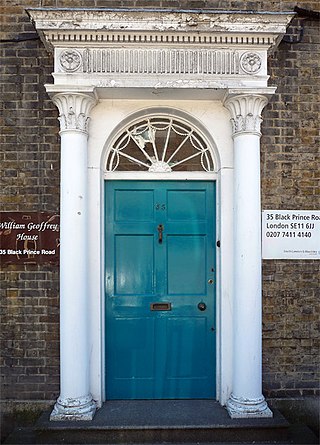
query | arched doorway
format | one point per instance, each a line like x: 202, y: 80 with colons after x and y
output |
x: 160, y: 262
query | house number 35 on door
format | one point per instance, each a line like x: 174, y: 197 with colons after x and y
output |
x: 160, y: 207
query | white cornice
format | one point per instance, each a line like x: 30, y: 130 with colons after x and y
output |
x: 159, y: 48
x: 100, y: 26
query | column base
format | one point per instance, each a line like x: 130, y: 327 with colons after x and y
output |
x: 241, y: 408
x: 82, y: 408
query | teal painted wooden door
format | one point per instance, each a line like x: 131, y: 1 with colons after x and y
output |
x: 160, y: 290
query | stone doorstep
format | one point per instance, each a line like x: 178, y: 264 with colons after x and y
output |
x: 162, y: 421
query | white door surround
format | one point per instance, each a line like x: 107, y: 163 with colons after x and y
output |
x: 116, y: 66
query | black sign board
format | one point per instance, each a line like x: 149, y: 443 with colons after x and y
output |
x: 29, y: 237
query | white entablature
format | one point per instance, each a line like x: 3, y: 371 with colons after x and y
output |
x: 110, y: 48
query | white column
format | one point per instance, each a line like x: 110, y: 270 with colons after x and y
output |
x: 246, y: 399
x: 75, y: 401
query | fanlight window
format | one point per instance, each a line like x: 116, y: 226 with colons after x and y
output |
x: 160, y: 144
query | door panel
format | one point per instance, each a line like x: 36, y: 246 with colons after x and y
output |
x: 135, y: 338
x: 160, y: 353
x: 134, y: 205
x: 134, y: 264
x: 186, y: 263
x: 192, y: 355
x: 187, y: 205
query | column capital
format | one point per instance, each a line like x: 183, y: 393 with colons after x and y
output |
x: 245, y: 106
x: 74, y: 110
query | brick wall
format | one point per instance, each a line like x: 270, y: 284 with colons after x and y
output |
x: 291, y: 180
x: 30, y: 182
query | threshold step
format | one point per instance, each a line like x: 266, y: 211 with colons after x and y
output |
x: 162, y: 421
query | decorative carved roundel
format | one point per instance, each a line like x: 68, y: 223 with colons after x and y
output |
x: 161, y: 145
x: 70, y: 60
x: 251, y: 62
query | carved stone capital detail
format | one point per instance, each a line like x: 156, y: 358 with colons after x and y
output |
x: 74, y: 109
x: 248, y: 123
x: 245, y: 112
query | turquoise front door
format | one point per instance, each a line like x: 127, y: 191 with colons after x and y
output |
x: 160, y: 290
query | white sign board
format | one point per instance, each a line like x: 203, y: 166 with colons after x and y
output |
x: 291, y: 234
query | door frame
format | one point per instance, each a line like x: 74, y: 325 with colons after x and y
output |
x: 223, y: 177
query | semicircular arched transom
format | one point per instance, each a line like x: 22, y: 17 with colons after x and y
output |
x: 160, y: 144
